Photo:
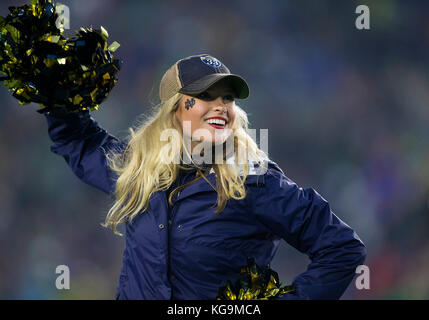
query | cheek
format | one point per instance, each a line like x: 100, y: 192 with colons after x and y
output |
x: 231, y: 115
x: 191, y: 118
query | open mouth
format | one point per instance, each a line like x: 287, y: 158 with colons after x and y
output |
x: 217, y: 123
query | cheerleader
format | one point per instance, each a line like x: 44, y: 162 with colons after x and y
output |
x: 191, y: 225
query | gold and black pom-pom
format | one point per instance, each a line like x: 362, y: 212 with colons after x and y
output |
x: 39, y: 64
x: 254, y: 283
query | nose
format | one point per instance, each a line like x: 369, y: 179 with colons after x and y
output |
x: 220, y: 105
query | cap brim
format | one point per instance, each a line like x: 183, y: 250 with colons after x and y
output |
x: 237, y: 83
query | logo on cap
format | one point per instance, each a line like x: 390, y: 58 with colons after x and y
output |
x: 211, y: 61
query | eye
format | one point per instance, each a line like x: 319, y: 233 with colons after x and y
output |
x: 228, y: 97
x: 205, y: 96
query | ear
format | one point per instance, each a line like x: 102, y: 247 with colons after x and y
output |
x: 179, y: 104
x: 178, y: 112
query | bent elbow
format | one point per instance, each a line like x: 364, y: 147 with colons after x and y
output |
x: 362, y: 253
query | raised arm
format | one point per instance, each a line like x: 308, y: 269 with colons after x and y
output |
x: 304, y: 219
x: 82, y: 142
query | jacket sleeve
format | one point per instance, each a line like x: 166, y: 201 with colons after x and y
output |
x: 303, y: 218
x: 82, y: 143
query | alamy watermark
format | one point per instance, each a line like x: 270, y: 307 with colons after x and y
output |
x: 208, y: 147
x: 63, y: 20
x: 62, y: 282
x: 363, y: 20
x: 362, y: 281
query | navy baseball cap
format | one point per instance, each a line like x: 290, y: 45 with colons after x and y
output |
x: 195, y: 74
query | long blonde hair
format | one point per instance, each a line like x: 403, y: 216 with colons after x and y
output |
x: 141, y: 171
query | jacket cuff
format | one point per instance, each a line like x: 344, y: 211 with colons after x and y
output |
x: 64, y: 114
x: 298, y: 294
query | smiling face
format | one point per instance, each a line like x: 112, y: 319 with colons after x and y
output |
x: 208, y: 116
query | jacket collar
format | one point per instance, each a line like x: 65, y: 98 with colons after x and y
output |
x: 255, y: 176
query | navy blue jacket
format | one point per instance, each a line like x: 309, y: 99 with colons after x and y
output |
x: 187, y: 251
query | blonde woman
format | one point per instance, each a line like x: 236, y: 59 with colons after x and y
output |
x: 198, y: 197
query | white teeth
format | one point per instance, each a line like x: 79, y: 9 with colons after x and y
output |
x: 216, y: 121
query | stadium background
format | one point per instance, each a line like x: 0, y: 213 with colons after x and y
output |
x: 347, y: 113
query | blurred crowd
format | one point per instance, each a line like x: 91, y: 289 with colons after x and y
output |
x: 347, y: 113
